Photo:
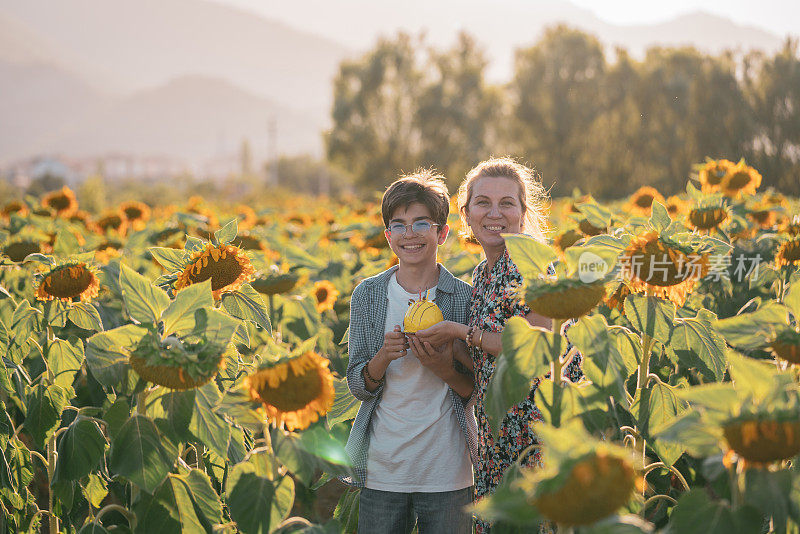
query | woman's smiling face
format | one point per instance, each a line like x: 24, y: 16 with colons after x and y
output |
x: 494, y: 208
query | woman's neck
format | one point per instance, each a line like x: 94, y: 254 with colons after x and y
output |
x: 492, y: 255
x: 416, y: 279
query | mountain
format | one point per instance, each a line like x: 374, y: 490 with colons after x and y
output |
x: 501, y: 26
x: 149, y: 42
x: 193, y: 117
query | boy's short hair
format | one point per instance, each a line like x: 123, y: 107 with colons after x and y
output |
x: 423, y: 186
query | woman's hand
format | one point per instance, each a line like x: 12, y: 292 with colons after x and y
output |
x: 441, y: 333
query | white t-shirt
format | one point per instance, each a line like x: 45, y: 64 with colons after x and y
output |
x: 415, y: 443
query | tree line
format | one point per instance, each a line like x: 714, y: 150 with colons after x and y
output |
x: 605, y: 123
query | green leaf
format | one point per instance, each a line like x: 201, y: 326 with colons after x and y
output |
x: 629, y: 345
x: 575, y: 400
x: 86, y: 316
x: 345, y: 405
x: 322, y: 445
x: 177, y: 409
x: 717, y: 398
x: 65, y: 360
x: 695, y: 513
x: 770, y: 492
x: 529, y: 255
x: 246, y: 304
x: 66, y: 244
x: 169, y: 258
x: 142, y: 454
x: 185, y: 502
x: 698, y: 345
x: 228, y: 232
x: 753, y: 378
x: 257, y: 504
x: 792, y: 299
x: 107, y: 353
x: 659, y: 217
x: 206, y: 424
x: 529, y: 350
x: 178, y: 318
x: 79, y: 449
x: 651, y: 316
x: 44, y: 407
x: 95, y: 490
x: 654, y: 407
x: 24, y: 321
x: 506, y: 388
x: 290, y: 453
x: 602, y: 362
x: 754, y: 330
x: 346, y: 511
x: 143, y: 300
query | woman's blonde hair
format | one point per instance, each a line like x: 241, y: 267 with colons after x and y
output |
x: 532, y: 194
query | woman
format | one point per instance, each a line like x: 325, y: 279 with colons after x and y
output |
x: 498, y: 196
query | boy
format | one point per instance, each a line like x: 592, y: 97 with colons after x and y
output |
x: 414, y: 437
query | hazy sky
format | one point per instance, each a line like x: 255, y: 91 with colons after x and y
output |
x: 778, y: 16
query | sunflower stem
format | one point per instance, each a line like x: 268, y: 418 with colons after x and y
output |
x: 644, y: 366
x: 51, y: 469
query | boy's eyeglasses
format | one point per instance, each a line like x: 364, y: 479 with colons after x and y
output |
x: 417, y: 227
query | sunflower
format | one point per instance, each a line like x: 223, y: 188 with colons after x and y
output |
x: 589, y: 229
x: 376, y: 241
x: 324, y: 295
x: 300, y: 219
x: 791, y: 226
x: 174, y: 376
x: 18, y: 250
x: 275, y: 282
x: 15, y: 206
x: 81, y: 217
x: 762, y: 441
x: 713, y: 173
x: 294, y: 392
x: 564, y: 299
x: 67, y: 282
x: 596, y: 486
x: 470, y: 244
x: 62, y: 202
x: 641, y: 202
x: 788, y: 253
x: 108, y: 250
x: 764, y: 215
x: 566, y: 239
x: 787, y: 346
x: 114, y: 222
x: 137, y: 213
x: 707, y: 218
x: 675, y: 206
x: 247, y: 217
x: 662, y: 268
x: 616, y: 300
x: 742, y: 179
x: 226, y: 266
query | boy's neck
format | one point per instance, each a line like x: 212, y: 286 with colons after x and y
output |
x: 417, y: 278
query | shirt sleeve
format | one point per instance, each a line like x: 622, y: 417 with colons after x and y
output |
x: 358, y: 347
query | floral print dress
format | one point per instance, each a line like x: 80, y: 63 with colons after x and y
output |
x: 495, y: 299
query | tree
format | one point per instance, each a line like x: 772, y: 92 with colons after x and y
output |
x: 459, y: 113
x: 553, y: 93
x: 375, y: 133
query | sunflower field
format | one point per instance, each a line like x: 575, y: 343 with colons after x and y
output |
x: 180, y: 368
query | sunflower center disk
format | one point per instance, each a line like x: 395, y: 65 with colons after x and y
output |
x: 294, y: 393
x: 658, y: 266
x: 68, y: 282
x: 222, y: 271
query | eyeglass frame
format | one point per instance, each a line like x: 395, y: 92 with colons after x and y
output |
x: 407, y: 227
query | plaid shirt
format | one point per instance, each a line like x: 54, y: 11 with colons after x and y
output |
x: 367, y: 324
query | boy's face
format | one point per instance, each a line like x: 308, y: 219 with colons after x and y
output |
x: 415, y: 248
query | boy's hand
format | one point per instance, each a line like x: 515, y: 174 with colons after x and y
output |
x: 438, y: 334
x: 439, y: 361
x: 394, y: 344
